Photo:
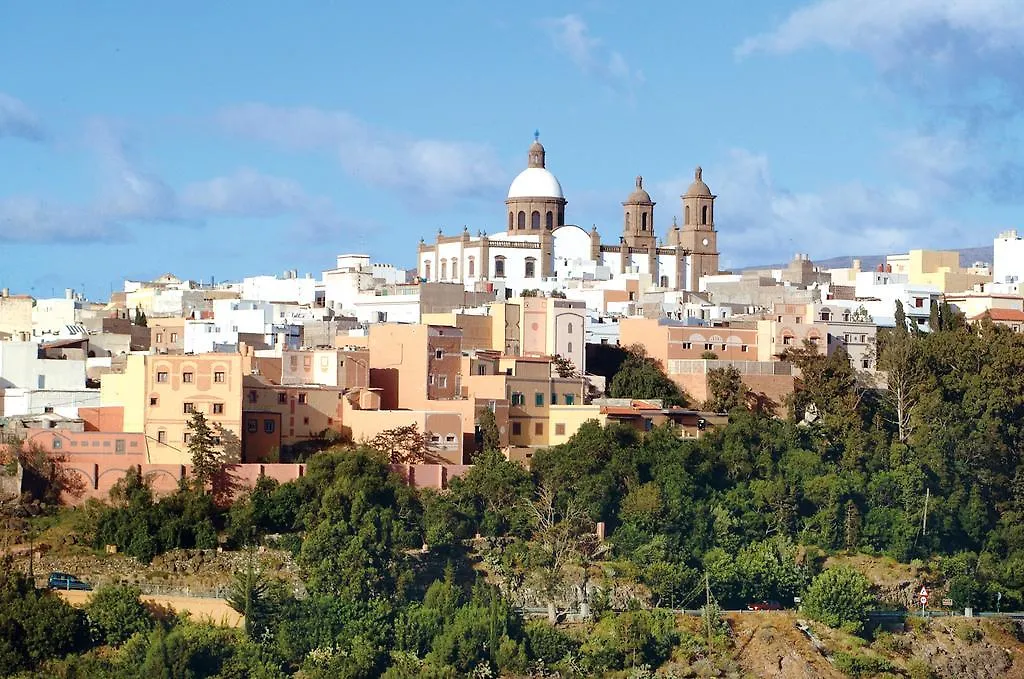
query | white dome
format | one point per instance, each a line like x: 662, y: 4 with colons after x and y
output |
x: 535, y: 182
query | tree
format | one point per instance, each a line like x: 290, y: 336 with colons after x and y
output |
x: 901, y: 318
x: 116, y: 613
x: 861, y: 315
x: 204, y: 448
x: 487, y: 426
x: 564, y: 367
x: 899, y: 359
x: 643, y: 377
x: 839, y: 597
x: 726, y: 389
x: 403, y: 445
x: 249, y: 595
x: 140, y: 317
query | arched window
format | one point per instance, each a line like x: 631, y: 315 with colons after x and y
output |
x: 569, y: 347
x: 511, y: 221
x: 426, y: 269
x: 627, y: 221
x: 522, y: 219
x: 664, y: 281
x: 704, y: 215
x: 569, y: 328
x: 499, y: 266
x: 470, y: 267
x: 444, y: 269
x: 531, y: 267
x: 561, y: 216
x: 534, y: 220
x: 549, y: 220
x: 643, y: 221
x: 686, y: 216
x: 455, y: 269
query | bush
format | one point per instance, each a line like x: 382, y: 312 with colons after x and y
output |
x: 839, y: 597
x: 964, y: 591
x: 115, y: 613
x: 968, y: 633
x: 547, y: 643
x: 856, y: 665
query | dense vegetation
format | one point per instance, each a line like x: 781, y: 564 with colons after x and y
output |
x: 747, y: 513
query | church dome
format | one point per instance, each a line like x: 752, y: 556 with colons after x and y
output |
x: 698, y: 188
x: 639, y: 195
x: 535, y: 182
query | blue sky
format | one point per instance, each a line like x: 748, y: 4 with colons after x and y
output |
x: 224, y: 140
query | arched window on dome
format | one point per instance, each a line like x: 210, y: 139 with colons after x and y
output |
x: 470, y: 266
x: 455, y: 269
x: 499, y: 266
x: 531, y: 268
x: 426, y: 269
x: 534, y: 220
x: 643, y: 221
x: 686, y: 217
x: 522, y: 219
x: 549, y: 220
x: 511, y: 220
x: 704, y: 215
x: 444, y: 269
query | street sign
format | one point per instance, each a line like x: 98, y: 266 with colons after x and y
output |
x: 923, y: 596
x: 948, y: 603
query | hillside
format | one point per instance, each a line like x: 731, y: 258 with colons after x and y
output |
x: 968, y: 256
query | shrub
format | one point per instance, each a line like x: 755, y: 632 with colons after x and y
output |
x: 839, y: 597
x: 115, y: 613
x: 548, y: 643
x: 857, y: 665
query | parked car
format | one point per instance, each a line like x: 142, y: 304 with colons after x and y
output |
x: 764, y: 606
x: 65, y: 581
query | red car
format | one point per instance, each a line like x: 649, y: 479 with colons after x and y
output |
x: 765, y: 606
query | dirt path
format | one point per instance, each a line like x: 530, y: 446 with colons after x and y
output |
x: 215, y: 611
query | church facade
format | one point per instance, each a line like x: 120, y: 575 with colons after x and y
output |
x: 539, y: 250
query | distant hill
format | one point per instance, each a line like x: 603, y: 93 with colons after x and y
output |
x: 968, y: 256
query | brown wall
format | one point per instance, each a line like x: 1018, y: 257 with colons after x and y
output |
x: 103, y: 418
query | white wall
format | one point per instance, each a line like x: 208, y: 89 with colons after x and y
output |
x: 273, y: 289
x: 21, y: 367
x: 1008, y: 258
x: 64, y: 402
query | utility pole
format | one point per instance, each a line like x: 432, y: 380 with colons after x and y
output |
x: 924, y: 520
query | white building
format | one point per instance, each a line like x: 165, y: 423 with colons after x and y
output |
x: 878, y: 291
x: 1008, y: 258
x: 30, y: 385
x: 353, y: 275
x: 290, y: 288
x: 539, y: 250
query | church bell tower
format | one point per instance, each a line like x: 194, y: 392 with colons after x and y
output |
x: 698, y: 234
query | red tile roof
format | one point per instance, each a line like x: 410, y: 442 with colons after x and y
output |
x: 1002, y: 315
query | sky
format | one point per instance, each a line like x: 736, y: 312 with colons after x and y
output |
x: 223, y: 140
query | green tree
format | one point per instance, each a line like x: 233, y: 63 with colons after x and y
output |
x: 140, y: 317
x: 116, y: 612
x: 641, y: 376
x: 839, y: 597
x: 564, y: 367
x: 487, y: 426
x: 249, y: 595
x: 901, y: 318
x: 204, y: 449
x: 726, y: 389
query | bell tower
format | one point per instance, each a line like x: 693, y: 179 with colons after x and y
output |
x: 698, y: 234
x: 638, y: 209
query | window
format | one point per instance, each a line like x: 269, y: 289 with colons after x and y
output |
x: 560, y: 429
x: 570, y: 399
x: 161, y: 376
x: 186, y: 377
x: 442, y: 381
x: 119, y: 446
x: 218, y: 376
x: 865, y: 364
x: 787, y: 339
x: 518, y: 398
x: 643, y: 221
x: 538, y: 398
x: 439, y: 354
x: 687, y: 345
x: 153, y: 400
x: 664, y: 281
x: 709, y: 347
x: 470, y: 267
x: 538, y: 428
x: 517, y: 428
x: 704, y: 215
x: 554, y: 399
x: 282, y: 397
x: 174, y: 337
x: 189, y: 407
x: 253, y: 396
x: 302, y: 398
x: 252, y: 425
x: 686, y: 218
x: 531, y: 267
x: 522, y: 219
x: 159, y: 337
x: 161, y: 436
x: 435, y: 438
x: 430, y: 380
x: 444, y: 269
x: 305, y: 420
x: 511, y: 220
x: 268, y: 426
x: 450, y: 438
x: 549, y: 220
x: 57, y: 443
x: 218, y: 408
x: 455, y: 270
x: 569, y: 347
x: 535, y: 220
x: 743, y: 348
x: 499, y: 267
x: 426, y: 270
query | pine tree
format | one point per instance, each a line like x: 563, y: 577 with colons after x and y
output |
x: 203, y: 447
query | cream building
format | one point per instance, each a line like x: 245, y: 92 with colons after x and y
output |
x: 539, y: 250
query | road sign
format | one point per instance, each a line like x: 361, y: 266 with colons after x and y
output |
x: 948, y: 603
x: 923, y: 596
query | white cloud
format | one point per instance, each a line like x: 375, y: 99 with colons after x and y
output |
x: 571, y: 35
x: 26, y: 219
x: 17, y: 120
x: 430, y: 170
x: 761, y: 222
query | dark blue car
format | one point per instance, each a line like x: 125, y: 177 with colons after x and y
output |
x: 65, y: 581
